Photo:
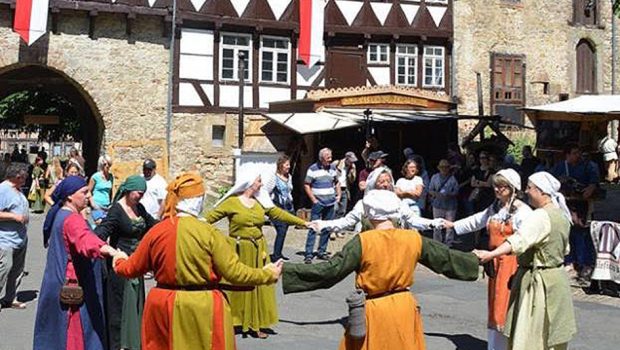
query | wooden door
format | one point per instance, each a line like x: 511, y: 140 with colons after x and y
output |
x: 345, y: 67
x: 586, y: 68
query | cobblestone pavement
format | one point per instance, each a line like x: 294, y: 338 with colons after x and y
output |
x: 454, y: 312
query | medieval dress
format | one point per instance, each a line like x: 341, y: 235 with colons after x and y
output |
x: 541, y: 314
x: 384, y: 262
x: 255, y: 309
x: 500, y: 225
x: 125, y: 297
x: 187, y: 309
x: 59, y: 326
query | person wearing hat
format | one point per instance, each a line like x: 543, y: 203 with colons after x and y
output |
x: 245, y: 205
x: 384, y: 259
x: 540, y: 312
x: 502, y: 219
x: 347, y: 174
x: 443, y: 190
x: 74, y: 257
x: 187, y: 309
x: 155, y: 193
x: 375, y: 160
x: 124, y: 226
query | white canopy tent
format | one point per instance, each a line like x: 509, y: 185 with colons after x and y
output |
x: 582, y: 108
x: 327, y: 119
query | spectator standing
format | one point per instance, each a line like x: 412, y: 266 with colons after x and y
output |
x: 409, y: 188
x: 54, y: 173
x: 13, y: 233
x: 156, y: 185
x: 585, y: 178
x: 372, y: 145
x: 443, y: 190
x: 322, y: 187
x: 482, y: 194
x: 6, y: 161
x: 347, y: 174
x: 375, y: 160
x: 75, y: 157
x: 529, y: 163
x: 607, y: 146
x: 38, y: 187
x: 282, y: 196
x: 100, y: 185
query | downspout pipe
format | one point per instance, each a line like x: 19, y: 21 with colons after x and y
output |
x: 170, y: 83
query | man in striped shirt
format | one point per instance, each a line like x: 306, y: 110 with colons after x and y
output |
x: 321, y: 186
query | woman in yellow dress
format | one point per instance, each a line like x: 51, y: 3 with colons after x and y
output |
x: 245, y: 206
x: 384, y: 260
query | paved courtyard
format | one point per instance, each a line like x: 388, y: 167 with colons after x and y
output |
x: 454, y: 312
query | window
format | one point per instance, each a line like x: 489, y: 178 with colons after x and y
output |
x: 217, y: 135
x: 434, y: 62
x: 406, y: 64
x: 507, y: 78
x: 436, y: 1
x: 232, y: 45
x: 274, y: 59
x: 585, y: 12
x: 379, y: 53
x: 586, y: 67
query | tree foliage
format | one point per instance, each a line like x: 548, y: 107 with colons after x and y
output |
x: 617, y: 7
x: 14, y: 107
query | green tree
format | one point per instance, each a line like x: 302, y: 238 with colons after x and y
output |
x: 14, y: 107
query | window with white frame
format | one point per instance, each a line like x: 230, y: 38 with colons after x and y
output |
x: 406, y: 64
x: 274, y: 59
x: 231, y: 46
x: 379, y: 53
x: 434, y: 66
x: 436, y: 1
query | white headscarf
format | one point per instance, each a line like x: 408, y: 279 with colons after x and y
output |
x: 190, y: 206
x: 551, y: 186
x: 512, y: 176
x: 371, y: 182
x: 244, y: 180
x: 381, y: 205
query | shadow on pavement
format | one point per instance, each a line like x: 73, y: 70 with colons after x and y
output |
x: 25, y: 296
x: 462, y: 341
x: 342, y: 321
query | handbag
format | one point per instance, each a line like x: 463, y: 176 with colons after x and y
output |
x: 71, y: 293
x: 32, y: 194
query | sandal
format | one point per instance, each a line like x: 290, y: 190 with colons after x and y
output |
x: 259, y: 334
x: 14, y: 305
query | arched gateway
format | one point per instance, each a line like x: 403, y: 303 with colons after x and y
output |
x: 20, y: 77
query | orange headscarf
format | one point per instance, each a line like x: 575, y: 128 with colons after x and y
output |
x: 187, y: 185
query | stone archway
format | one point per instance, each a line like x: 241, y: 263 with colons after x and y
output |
x: 20, y: 77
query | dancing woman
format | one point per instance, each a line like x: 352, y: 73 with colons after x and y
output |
x: 384, y: 260
x: 187, y: 309
x: 245, y: 206
x: 503, y: 218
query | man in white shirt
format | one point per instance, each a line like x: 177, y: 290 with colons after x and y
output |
x: 155, y: 189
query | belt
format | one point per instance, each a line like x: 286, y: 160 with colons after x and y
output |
x: 540, y: 267
x: 199, y: 287
x: 254, y: 242
x: 385, y: 294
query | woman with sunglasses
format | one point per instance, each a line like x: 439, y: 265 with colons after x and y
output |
x: 501, y: 219
x: 124, y: 226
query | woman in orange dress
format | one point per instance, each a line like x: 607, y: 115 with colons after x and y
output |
x: 501, y: 219
x: 187, y: 309
x: 384, y: 260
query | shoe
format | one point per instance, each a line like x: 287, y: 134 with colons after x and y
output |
x: 340, y: 235
x: 285, y: 258
x: 323, y: 256
x: 308, y: 260
x: 148, y: 275
x: 14, y: 305
x: 332, y: 236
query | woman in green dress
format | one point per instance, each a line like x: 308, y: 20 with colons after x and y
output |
x: 37, y: 191
x: 245, y: 206
x: 124, y: 226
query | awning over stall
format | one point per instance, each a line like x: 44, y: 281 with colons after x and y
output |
x: 327, y: 119
x: 582, y: 108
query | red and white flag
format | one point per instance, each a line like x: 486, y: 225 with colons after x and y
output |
x: 31, y: 19
x: 311, y: 15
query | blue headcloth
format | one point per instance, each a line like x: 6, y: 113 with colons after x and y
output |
x: 65, y: 188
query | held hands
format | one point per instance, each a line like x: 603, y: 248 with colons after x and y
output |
x: 275, y: 268
x: 483, y: 255
x: 118, y: 255
x: 448, y: 224
x: 314, y: 225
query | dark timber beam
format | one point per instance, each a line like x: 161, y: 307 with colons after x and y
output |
x: 92, y: 18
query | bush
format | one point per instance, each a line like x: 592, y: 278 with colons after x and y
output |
x: 519, y: 141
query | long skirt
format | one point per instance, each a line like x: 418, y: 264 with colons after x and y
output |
x: 256, y: 309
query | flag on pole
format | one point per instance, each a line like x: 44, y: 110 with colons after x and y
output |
x: 31, y: 19
x: 311, y: 15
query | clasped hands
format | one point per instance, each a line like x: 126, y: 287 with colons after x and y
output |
x: 275, y: 268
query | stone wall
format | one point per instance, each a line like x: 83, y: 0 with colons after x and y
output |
x: 124, y: 78
x: 539, y: 30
